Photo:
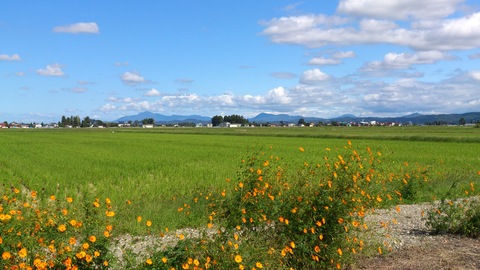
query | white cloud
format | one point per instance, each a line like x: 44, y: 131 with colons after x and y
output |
x: 459, y: 33
x: 320, y: 61
x: 406, y: 60
x: 314, y: 76
x: 132, y: 78
x: 108, y: 108
x: 78, y: 28
x: 342, y: 55
x: 475, y: 75
x: 54, y: 70
x: 6, y: 57
x: 152, y: 93
x: 399, y: 9
x: 278, y: 95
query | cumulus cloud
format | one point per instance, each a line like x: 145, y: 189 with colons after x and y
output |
x: 429, y: 29
x: 78, y: 28
x: 6, y: 57
x: 132, y: 78
x: 399, y: 9
x: 54, y: 70
x: 152, y: 93
x: 406, y: 60
x: 475, y: 75
x: 314, y: 76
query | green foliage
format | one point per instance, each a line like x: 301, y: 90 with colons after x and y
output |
x: 50, y: 232
x: 461, y: 216
x: 280, y: 214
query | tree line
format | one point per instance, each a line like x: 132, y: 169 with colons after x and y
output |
x: 234, y: 119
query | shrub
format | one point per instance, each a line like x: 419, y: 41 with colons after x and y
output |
x: 461, y: 216
x: 280, y: 215
x: 52, y: 233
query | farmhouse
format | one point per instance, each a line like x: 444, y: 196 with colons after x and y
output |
x: 228, y: 124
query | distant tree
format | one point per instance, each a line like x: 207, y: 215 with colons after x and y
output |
x: 148, y: 121
x: 217, y: 120
x: 301, y: 121
x: 86, y: 122
x: 235, y: 118
x: 462, y: 121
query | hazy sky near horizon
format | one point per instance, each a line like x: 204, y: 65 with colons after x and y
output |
x: 107, y: 59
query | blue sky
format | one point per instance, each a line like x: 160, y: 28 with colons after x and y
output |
x: 107, y: 59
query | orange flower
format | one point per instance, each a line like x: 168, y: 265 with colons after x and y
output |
x: 317, y: 249
x: 238, y: 259
x: 72, y: 241
x: 339, y: 250
x: 149, y: 261
x: 109, y: 213
x: 92, y: 238
x: 6, y: 255
x: 301, y: 149
x: 22, y: 253
x: 69, y: 199
x: 62, y: 228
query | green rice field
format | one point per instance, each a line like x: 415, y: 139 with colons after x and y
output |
x: 157, y: 170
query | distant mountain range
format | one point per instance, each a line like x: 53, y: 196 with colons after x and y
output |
x: 415, y: 118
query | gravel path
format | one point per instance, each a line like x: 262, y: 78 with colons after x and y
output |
x: 413, y: 246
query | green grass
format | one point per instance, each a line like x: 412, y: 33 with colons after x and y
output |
x: 160, y: 169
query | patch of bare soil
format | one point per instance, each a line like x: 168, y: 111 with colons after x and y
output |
x: 440, y: 252
x: 414, y: 246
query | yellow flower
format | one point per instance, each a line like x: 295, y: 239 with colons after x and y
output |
x: 196, y: 262
x: 301, y: 149
x: 92, y: 238
x: 238, y: 259
x: 109, y: 213
x: 106, y: 233
x: 139, y: 218
x: 69, y: 199
x: 164, y: 260
x: 107, y: 201
x: 22, y: 253
x: 149, y: 261
x: 292, y: 244
x: 6, y: 255
x: 73, y: 222
x: 52, y: 197
x: 149, y: 223
x: 96, y: 253
x: 96, y: 204
x: 259, y: 265
x: 85, y: 246
x: 62, y: 228
x: 88, y: 258
x: 339, y: 250
x: 80, y: 255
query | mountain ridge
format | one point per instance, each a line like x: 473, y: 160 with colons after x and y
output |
x: 414, y: 118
